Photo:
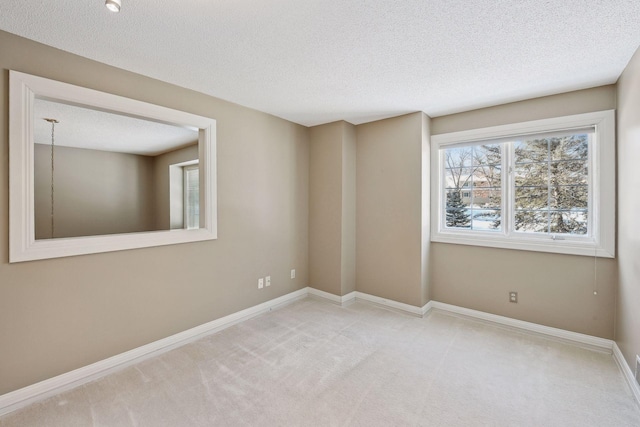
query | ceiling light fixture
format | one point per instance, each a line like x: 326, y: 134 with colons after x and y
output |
x: 113, y: 5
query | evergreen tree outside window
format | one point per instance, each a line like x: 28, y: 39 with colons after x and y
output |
x: 552, y: 184
x: 547, y: 185
x: 457, y: 213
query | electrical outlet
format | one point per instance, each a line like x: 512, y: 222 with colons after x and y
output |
x: 260, y: 283
x: 293, y: 274
x: 267, y: 281
x: 638, y: 369
x: 513, y: 297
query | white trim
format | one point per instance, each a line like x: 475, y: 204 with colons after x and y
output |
x: 627, y: 373
x: 601, y: 209
x: 581, y: 340
x: 25, y: 396
x: 342, y: 300
x: 427, y: 307
x: 23, y: 89
x: 337, y: 299
x: 412, y: 309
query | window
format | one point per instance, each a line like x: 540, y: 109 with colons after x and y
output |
x: 184, y: 195
x: 547, y: 185
x: 191, y: 180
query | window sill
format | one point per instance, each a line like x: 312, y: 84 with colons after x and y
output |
x: 566, y: 247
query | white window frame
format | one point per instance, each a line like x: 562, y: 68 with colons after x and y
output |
x: 601, y: 241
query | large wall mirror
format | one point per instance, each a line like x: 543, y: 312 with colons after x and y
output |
x: 94, y: 172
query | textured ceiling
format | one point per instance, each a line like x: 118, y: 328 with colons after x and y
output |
x: 358, y: 60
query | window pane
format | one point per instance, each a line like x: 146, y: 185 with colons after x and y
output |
x: 532, y: 221
x: 488, y: 176
x: 571, y: 147
x: 569, y: 222
x: 459, y: 178
x: 480, y: 198
x: 532, y: 197
x: 533, y: 150
x: 487, y: 154
x: 458, y: 211
x: 473, y: 185
x: 565, y: 197
x: 569, y: 172
x: 487, y: 220
x: 458, y: 157
x: 487, y: 198
x: 532, y: 174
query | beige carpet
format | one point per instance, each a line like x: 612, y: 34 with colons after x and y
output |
x: 312, y: 363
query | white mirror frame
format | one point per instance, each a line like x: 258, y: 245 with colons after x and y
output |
x: 23, y: 246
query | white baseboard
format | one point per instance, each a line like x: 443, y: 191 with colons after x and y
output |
x: 626, y: 372
x: 412, y: 309
x: 342, y: 300
x: 337, y: 299
x: 582, y: 340
x: 20, y: 398
x: 575, y: 338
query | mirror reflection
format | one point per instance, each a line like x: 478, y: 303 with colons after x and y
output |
x: 98, y: 173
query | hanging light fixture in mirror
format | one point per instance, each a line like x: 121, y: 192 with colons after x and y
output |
x: 113, y: 5
x: 53, y: 129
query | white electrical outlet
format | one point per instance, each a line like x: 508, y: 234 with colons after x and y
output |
x: 260, y: 283
x: 513, y: 297
x: 268, y: 281
x: 293, y: 274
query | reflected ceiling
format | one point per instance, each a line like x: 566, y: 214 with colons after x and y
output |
x: 96, y: 130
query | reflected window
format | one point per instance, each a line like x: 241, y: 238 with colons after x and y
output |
x: 191, y: 178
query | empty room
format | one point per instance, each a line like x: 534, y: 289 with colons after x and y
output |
x: 324, y: 213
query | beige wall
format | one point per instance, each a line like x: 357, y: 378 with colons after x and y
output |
x: 332, y: 208
x: 95, y: 192
x: 389, y: 220
x: 162, y: 181
x: 628, y: 301
x: 553, y: 290
x: 57, y: 315
x: 577, y: 102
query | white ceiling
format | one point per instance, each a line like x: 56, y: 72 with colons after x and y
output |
x: 318, y: 61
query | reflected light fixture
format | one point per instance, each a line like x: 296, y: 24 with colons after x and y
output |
x: 53, y: 131
x: 113, y: 5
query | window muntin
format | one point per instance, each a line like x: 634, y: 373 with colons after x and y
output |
x: 548, y: 185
